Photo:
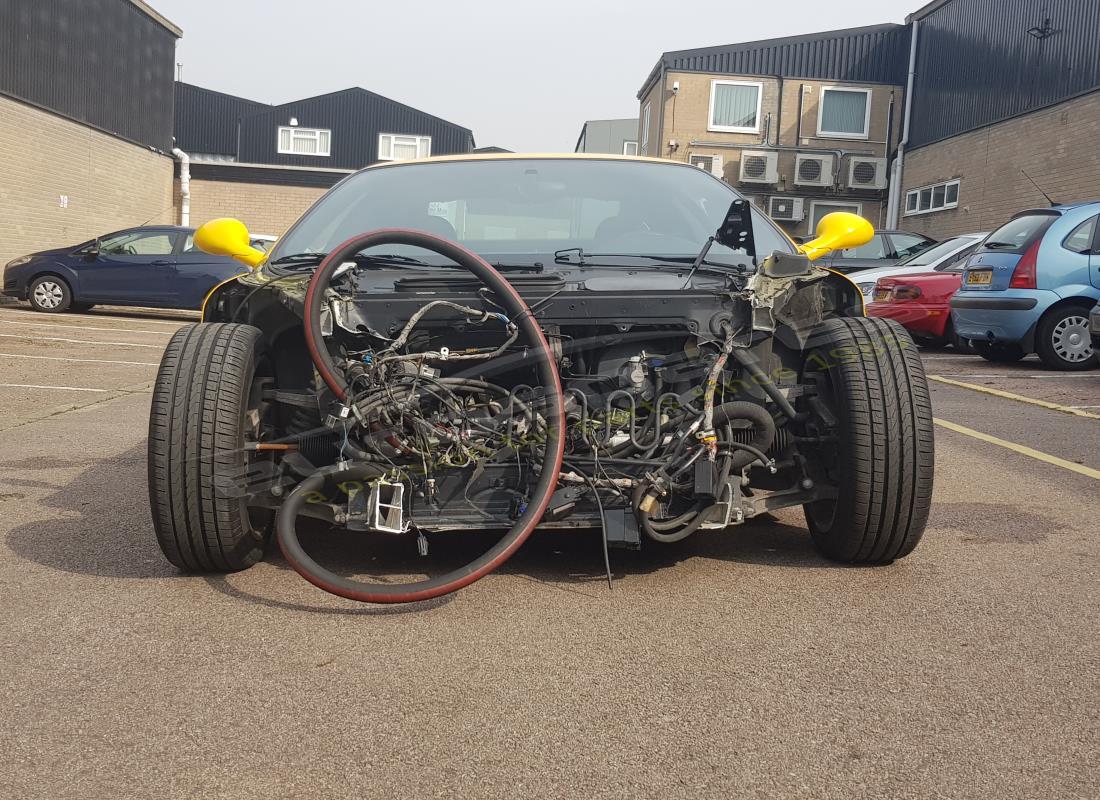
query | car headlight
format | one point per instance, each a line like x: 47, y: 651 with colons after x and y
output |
x: 866, y: 288
x: 18, y: 262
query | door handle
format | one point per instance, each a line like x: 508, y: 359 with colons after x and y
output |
x: 161, y: 263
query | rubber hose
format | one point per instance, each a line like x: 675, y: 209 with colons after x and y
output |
x: 547, y: 371
x: 762, y: 423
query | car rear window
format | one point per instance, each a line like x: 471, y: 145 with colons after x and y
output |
x: 1018, y: 233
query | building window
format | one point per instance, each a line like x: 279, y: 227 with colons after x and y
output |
x: 735, y: 106
x: 630, y: 148
x: 937, y: 197
x: 305, y: 141
x: 819, y: 210
x: 844, y: 113
x: 396, y: 147
x: 645, y: 129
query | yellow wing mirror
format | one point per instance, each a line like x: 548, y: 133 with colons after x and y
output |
x: 229, y: 237
x: 838, y: 231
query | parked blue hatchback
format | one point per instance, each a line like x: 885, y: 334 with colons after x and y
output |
x: 156, y: 266
x: 1029, y: 288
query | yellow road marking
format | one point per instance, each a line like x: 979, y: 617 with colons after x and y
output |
x: 1080, y: 469
x: 1011, y: 396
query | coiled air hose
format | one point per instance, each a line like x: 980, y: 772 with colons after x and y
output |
x: 540, y: 355
x: 680, y: 527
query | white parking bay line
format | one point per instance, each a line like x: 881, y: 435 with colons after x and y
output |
x: 15, y: 313
x: 76, y: 341
x: 1015, y: 375
x: 82, y: 360
x: 83, y: 327
x: 59, y: 388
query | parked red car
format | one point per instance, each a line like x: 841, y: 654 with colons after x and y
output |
x: 922, y: 303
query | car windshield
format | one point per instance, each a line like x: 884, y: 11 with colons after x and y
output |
x: 523, y: 211
x: 933, y: 254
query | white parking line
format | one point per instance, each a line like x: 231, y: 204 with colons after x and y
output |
x: 76, y: 341
x: 61, y: 388
x: 83, y: 327
x: 82, y: 360
x: 24, y: 314
x: 1015, y: 375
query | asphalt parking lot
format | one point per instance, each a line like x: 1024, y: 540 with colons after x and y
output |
x: 732, y: 665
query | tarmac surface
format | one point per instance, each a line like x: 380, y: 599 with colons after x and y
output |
x: 739, y: 664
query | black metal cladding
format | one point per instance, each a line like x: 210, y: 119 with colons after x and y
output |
x: 102, y: 62
x: 356, y: 117
x: 977, y: 64
x: 874, y: 54
x: 206, y: 121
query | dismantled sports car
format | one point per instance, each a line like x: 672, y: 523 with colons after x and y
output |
x: 621, y: 346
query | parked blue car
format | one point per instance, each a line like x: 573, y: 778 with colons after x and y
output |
x: 156, y: 266
x: 1030, y: 286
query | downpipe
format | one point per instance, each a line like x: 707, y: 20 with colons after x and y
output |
x: 185, y: 186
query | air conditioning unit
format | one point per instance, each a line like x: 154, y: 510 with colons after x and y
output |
x: 786, y: 209
x: 759, y: 166
x: 711, y: 164
x: 813, y: 170
x: 866, y: 173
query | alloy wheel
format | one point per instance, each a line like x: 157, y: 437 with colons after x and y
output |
x: 48, y: 294
x: 1070, y: 339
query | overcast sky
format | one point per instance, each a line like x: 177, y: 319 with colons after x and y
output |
x: 521, y: 75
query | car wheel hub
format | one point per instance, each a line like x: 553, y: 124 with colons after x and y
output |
x: 48, y: 294
x: 1071, y: 341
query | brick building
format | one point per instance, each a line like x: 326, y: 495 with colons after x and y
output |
x: 969, y: 105
x: 804, y: 125
x: 1005, y: 95
x: 85, y: 124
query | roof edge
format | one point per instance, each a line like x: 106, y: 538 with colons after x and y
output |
x: 157, y: 17
x: 925, y: 10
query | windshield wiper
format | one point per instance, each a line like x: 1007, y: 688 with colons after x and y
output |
x: 313, y: 259
x: 310, y: 260
x: 577, y: 256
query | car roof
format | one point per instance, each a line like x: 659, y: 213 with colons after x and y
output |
x: 528, y: 157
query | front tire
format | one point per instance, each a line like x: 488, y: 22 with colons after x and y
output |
x: 1062, y: 339
x: 204, y: 401
x: 50, y: 294
x: 871, y: 377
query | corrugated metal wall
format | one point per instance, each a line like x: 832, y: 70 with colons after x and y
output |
x: 206, y: 121
x: 355, y: 117
x: 102, y: 62
x: 978, y: 65
x: 876, y: 54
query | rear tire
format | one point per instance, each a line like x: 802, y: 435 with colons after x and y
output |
x: 1062, y: 339
x: 882, y: 461
x: 205, y: 389
x: 999, y: 353
x: 50, y: 294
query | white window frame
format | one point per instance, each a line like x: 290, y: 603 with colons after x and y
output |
x: 646, y: 118
x: 626, y: 145
x: 915, y: 192
x: 423, y: 145
x: 714, y: 84
x: 856, y: 207
x: 824, y: 134
x: 303, y: 133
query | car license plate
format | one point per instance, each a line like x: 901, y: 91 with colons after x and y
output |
x: 981, y: 277
x: 882, y: 295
